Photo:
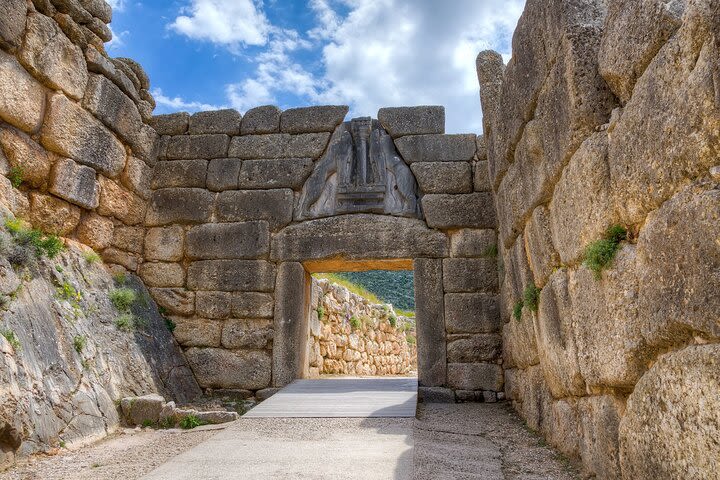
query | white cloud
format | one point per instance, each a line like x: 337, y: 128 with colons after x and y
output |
x: 118, y: 39
x: 175, y: 104
x: 117, y: 5
x: 229, y: 22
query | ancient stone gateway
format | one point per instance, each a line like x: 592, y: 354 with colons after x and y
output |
x: 245, y: 210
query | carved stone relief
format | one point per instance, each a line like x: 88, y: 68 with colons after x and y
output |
x: 361, y: 172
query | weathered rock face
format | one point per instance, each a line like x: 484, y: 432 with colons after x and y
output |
x: 351, y: 336
x: 608, y: 114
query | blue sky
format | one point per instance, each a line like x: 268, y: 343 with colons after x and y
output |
x: 205, y: 54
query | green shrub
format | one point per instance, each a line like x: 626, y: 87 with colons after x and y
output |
x: 355, y: 323
x: 16, y: 176
x: 531, y: 297
x: 120, y: 278
x: 67, y: 292
x: 393, y: 321
x: 147, y: 423
x: 517, y: 310
x: 170, y: 324
x: 191, y: 421
x: 91, y: 257
x: 125, y: 322
x: 79, y: 343
x: 601, y: 253
x: 11, y: 338
x: 321, y: 312
x: 410, y: 340
x: 44, y: 244
x: 123, y: 298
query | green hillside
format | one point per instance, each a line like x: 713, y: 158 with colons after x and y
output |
x: 395, y: 287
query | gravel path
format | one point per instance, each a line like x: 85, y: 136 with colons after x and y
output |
x: 458, y: 442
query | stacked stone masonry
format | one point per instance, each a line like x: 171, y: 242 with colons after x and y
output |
x: 349, y: 335
x: 608, y: 114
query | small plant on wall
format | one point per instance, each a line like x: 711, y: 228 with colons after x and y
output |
x: 600, y: 254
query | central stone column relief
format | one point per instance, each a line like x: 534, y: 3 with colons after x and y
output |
x: 361, y: 171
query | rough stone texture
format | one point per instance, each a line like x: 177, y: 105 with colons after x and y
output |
x: 175, y: 300
x: 281, y: 145
x: 474, y: 210
x: 129, y: 239
x: 269, y: 174
x: 136, y: 410
x: 197, y: 332
x: 137, y: 176
x: 164, y: 244
x: 671, y: 424
x: 634, y: 33
x: 430, y: 323
x: 23, y: 153
x: 218, y: 121
x: 95, y: 231
x: 312, y: 119
x: 462, y: 275
x: 75, y: 183
x: 223, y: 174
x: 53, y: 215
x: 213, y: 304
x: 338, y: 237
x: 247, y: 334
x: 539, y: 246
x: 475, y: 376
x: 259, y: 120
x: 189, y: 147
x: 179, y: 205
x: 273, y: 206
x: 180, y: 173
x: 162, y: 274
x: 49, y: 55
x: 481, y: 177
x: 22, y: 99
x: 290, y: 323
x: 436, y: 148
x: 171, y: 124
x: 471, y: 243
x: 228, y: 240
x: 220, y: 368
x: 472, y: 313
x: 599, y: 419
x: 231, y: 275
x: 73, y: 132
x: 117, y: 201
x: 13, y: 15
x: 443, y: 177
x: 474, y: 348
x: 252, y: 305
x: 401, y: 121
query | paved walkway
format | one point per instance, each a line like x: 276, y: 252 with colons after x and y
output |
x: 394, y: 397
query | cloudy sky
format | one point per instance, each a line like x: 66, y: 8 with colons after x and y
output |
x: 206, y: 54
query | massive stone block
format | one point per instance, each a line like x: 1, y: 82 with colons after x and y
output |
x: 290, y: 323
x: 472, y: 313
x: 258, y: 120
x: 473, y: 243
x: 52, y: 215
x: 252, y: 305
x: 431, y: 349
x: 312, y: 119
x: 473, y: 210
x: 164, y: 244
x: 120, y: 203
x: 474, y: 348
x: 49, y: 55
x: 213, y: 304
x: 179, y: 205
x: 401, y: 121
x: 220, y: 368
x: 354, y: 237
x: 75, y: 183
x: 274, y: 206
x: 475, y: 376
x: 443, y: 177
x: 520, y: 347
x: 437, y: 148
x: 180, y: 173
x: 247, y: 334
x: 13, y: 14
x: 22, y: 98
x: 175, y: 300
x: 280, y: 145
x: 73, y: 132
x: 171, y: 124
x: 231, y: 275
x: 23, y: 153
x: 162, y: 274
x: 600, y: 419
x: 228, y: 241
x: 670, y: 427
x: 218, y: 121
x: 129, y: 239
x: 95, y: 231
x: 633, y: 34
x: 223, y: 173
x: 269, y: 174
x: 137, y: 176
x: 197, y: 332
x: 466, y: 275
x: 189, y: 147
x: 539, y: 246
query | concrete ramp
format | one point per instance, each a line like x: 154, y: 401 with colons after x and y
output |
x: 342, y: 398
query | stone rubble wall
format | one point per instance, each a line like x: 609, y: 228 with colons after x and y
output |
x: 337, y: 347
x: 609, y: 114
x: 74, y: 127
x: 223, y: 237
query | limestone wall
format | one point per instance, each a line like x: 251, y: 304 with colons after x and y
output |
x: 349, y: 335
x: 609, y: 114
x: 228, y: 229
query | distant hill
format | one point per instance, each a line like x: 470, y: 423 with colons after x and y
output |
x: 397, y: 288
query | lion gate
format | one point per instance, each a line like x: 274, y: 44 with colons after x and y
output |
x: 245, y: 208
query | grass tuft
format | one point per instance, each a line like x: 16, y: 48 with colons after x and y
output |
x: 517, y: 310
x: 123, y: 298
x: 355, y: 323
x: 91, y: 257
x: 321, y: 312
x: 16, y: 176
x: 125, y: 322
x: 600, y: 254
x: 393, y: 321
x: 190, y: 422
x: 531, y: 297
x: 170, y: 324
x: 11, y: 338
x: 79, y: 343
x: 411, y: 340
